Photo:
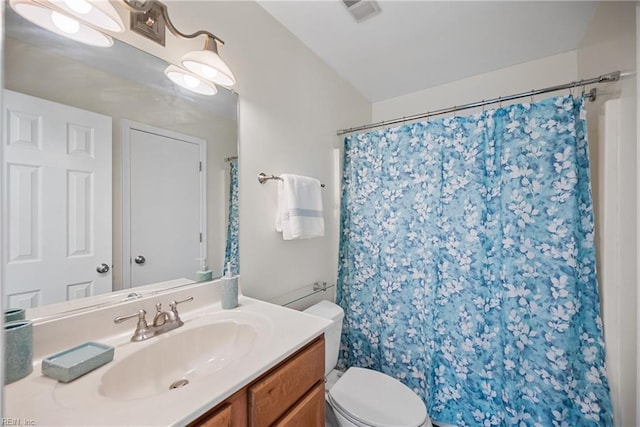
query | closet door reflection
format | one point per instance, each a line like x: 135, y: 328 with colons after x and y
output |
x: 167, y: 199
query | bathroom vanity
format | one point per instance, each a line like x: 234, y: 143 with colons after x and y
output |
x: 257, y: 365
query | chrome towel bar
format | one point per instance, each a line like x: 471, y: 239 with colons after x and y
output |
x: 263, y: 177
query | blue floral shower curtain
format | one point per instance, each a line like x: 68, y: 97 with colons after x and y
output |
x: 467, y: 265
x: 231, y: 253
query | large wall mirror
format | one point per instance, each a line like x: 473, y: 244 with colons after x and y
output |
x: 114, y: 177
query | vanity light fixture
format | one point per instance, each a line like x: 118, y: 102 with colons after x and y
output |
x: 149, y: 18
x: 207, y: 63
x: 79, y: 20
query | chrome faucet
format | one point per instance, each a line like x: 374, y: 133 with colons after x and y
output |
x: 164, y: 321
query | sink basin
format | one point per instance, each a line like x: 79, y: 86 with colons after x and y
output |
x: 176, y: 359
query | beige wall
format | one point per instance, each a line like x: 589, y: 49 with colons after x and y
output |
x: 290, y: 105
x: 608, y: 45
x: 548, y: 71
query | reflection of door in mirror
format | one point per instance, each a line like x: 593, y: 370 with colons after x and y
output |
x: 58, y: 206
x: 164, y: 181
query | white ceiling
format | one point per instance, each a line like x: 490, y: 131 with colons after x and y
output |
x: 414, y: 45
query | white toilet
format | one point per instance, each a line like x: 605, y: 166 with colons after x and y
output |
x: 363, y: 397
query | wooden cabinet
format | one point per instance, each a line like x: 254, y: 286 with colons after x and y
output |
x: 289, y: 395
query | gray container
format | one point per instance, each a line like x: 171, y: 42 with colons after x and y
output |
x: 74, y: 362
x: 18, y: 350
x: 13, y: 314
x: 229, y: 292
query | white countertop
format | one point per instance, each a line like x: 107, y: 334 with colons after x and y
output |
x: 42, y: 401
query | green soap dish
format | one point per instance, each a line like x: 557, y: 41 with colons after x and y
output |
x: 73, y: 363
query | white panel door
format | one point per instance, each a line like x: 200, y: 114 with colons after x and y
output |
x: 166, y: 205
x: 57, y: 192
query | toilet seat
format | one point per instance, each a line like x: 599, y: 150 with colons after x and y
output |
x: 371, y: 398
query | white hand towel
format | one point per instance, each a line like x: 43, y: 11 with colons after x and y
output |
x: 300, y: 214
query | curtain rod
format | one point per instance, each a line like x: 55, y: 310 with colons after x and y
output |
x: 605, y: 78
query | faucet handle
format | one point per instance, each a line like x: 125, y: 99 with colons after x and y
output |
x: 142, y: 331
x: 173, y: 305
x: 140, y: 315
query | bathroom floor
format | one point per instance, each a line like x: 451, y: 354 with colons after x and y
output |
x: 329, y: 382
x: 330, y: 420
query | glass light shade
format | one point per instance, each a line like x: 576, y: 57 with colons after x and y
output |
x: 64, y: 24
x: 190, y: 81
x: 209, y: 66
x: 98, y: 13
x: 80, y: 6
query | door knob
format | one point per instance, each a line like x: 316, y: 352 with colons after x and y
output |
x: 102, y: 268
x: 140, y: 259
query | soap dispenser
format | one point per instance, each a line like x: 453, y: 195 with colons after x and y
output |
x: 229, y: 289
x: 204, y: 274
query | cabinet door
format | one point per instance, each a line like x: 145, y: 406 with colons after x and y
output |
x: 273, y: 395
x: 220, y: 418
x: 310, y: 411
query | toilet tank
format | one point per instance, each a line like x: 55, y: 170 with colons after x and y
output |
x: 332, y: 334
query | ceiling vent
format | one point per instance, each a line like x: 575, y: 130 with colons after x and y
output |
x: 362, y: 9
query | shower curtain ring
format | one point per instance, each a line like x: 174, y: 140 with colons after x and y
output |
x: 484, y: 104
x: 532, y: 91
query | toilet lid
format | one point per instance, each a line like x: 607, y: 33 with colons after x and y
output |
x: 376, y: 399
